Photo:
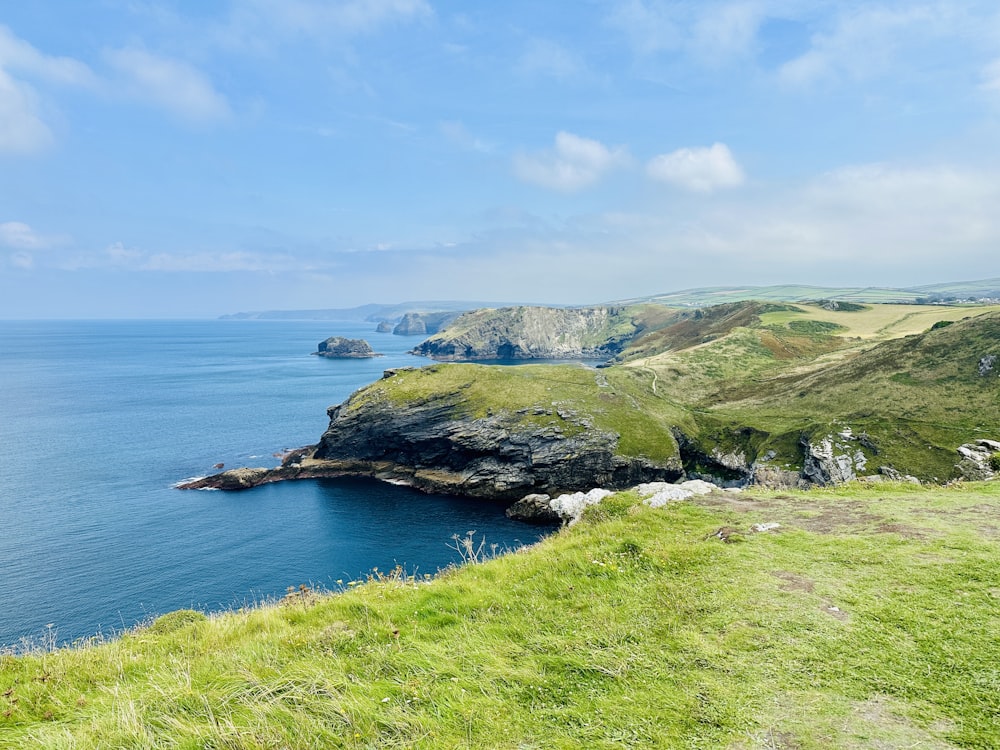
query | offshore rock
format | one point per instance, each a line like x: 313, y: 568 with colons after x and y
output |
x: 338, y: 347
x: 384, y: 326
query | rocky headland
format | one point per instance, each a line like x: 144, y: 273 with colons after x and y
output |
x: 733, y: 398
x: 338, y: 347
x: 525, y: 333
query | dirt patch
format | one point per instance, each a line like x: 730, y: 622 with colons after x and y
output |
x: 834, y: 519
x: 834, y: 611
x: 888, y: 729
x: 907, y: 532
x: 793, y: 581
x: 771, y: 739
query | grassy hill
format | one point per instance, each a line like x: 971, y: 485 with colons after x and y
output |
x: 866, y: 620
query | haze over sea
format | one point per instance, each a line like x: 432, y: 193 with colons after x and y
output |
x: 98, y: 419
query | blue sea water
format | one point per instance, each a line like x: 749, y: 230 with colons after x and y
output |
x: 98, y: 419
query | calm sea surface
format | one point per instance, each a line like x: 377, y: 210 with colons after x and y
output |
x: 99, y: 419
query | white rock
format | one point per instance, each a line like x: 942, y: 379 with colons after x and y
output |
x: 651, y: 488
x: 759, y: 528
x: 671, y: 493
x: 570, y: 506
x: 698, y: 486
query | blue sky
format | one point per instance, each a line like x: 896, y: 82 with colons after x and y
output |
x: 196, y: 158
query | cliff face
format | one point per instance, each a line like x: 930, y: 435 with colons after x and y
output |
x: 505, y: 455
x: 423, y: 324
x: 523, y: 333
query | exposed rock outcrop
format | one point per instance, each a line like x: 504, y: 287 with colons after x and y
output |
x: 986, y: 364
x: 384, y: 326
x: 832, y: 461
x: 975, y: 462
x: 429, y: 444
x: 338, y: 347
x: 524, y: 333
x: 534, y: 508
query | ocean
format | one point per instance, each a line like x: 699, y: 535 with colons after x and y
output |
x: 98, y: 421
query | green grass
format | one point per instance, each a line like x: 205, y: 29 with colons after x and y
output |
x: 615, y: 400
x: 867, y: 620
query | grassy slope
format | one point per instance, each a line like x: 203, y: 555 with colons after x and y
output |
x: 616, y: 400
x: 782, y: 370
x: 867, y: 620
x: 804, y: 370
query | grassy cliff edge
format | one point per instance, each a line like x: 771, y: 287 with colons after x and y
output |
x: 866, y: 619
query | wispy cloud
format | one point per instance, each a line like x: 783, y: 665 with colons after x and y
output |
x: 701, y: 170
x: 864, y: 42
x: 17, y: 54
x: 547, y: 58
x: 16, y: 234
x: 22, y: 130
x: 254, y: 20
x: 457, y: 133
x: 574, y: 163
x: 173, y: 85
x: 22, y: 127
x: 710, y: 32
x: 25, y: 242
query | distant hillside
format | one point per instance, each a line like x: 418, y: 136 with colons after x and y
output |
x: 985, y: 289
x: 525, y: 333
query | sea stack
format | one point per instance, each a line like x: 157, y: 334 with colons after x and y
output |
x: 338, y: 347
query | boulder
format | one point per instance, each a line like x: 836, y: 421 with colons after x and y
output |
x: 534, y: 508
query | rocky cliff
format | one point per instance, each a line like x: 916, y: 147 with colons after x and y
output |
x: 524, y: 333
x: 423, y: 323
x: 429, y: 428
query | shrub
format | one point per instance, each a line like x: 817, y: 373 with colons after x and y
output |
x: 995, y: 462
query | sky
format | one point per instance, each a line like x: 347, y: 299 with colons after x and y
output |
x: 169, y: 158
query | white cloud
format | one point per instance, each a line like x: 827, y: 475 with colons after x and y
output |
x: 710, y: 32
x: 701, y: 170
x: 858, y: 218
x: 174, y: 85
x: 573, y: 164
x: 544, y: 57
x: 17, y: 235
x: 863, y: 43
x: 22, y: 130
x: 17, y: 54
